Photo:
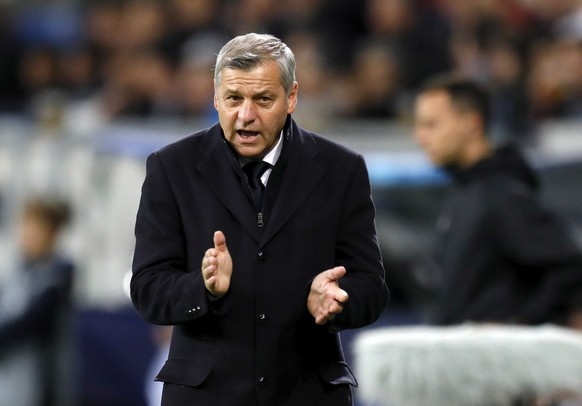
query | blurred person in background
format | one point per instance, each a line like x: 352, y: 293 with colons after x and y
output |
x: 315, y: 109
x: 375, y: 87
x: 257, y: 287
x: 35, y: 307
x: 417, y: 35
x: 555, y: 80
x: 502, y: 257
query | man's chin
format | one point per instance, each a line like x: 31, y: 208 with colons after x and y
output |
x: 246, y: 151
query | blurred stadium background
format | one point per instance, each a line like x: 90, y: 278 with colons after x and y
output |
x: 89, y: 88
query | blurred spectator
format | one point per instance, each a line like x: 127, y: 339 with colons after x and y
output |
x: 193, y: 79
x: 418, y: 36
x: 555, y: 83
x: 316, y: 105
x: 192, y: 20
x: 244, y: 16
x: 85, y: 52
x: 510, y: 109
x: 375, y: 84
x: 139, y: 85
x: 502, y: 256
x: 35, y: 307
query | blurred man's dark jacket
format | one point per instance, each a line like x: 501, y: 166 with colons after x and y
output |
x: 503, y: 257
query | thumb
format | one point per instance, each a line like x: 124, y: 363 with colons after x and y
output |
x: 336, y: 273
x: 219, y: 241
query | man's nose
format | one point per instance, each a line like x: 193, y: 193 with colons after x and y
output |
x: 247, y: 112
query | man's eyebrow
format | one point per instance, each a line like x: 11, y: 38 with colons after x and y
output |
x: 262, y: 93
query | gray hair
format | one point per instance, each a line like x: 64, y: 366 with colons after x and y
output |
x: 248, y: 51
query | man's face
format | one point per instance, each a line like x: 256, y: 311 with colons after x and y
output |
x: 252, y: 108
x: 441, y: 130
x: 37, y: 238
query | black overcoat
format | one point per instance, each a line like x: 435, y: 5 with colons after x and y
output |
x: 258, y: 345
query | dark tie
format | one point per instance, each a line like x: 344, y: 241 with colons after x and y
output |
x: 254, y: 170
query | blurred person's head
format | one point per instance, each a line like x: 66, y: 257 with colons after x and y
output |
x: 390, y: 17
x: 464, y: 15
x: 301, y: 12
x: 310, y: 62
x: 192, y: 14
x: 555, y: 83
x: 102, y: 22
x: 136, y: 82
x: 255, y: 90
x: 42, y: 221
x: 143, y: 24
x: 505, y: 65
x: 37, y: 69
x: 316, y: 105
x: 250, y: 15
x: 468, y: 57
x: 193, y: 87
x: 76, y: 69
x: 376, y: 77
x: 193, y: 79
x: 451, y: 120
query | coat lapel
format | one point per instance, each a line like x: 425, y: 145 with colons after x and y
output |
x: 220, y: 170
x: 300, y: 176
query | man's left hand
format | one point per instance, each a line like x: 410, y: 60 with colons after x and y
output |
x: 326, y: 298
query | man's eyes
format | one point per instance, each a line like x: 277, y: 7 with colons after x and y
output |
x: 260, y: 99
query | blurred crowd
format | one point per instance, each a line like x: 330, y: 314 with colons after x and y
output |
x: 356, y: 58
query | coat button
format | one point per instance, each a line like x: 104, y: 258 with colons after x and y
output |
x: 193, y: 313
x: 260, y: 255
x: 262, y: 317
x: 261, y: 381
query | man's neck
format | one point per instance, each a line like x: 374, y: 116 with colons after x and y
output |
x: 475, y: 152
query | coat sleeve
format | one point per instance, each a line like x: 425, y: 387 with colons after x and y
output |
x: 539, y: 243
x: 358, y: 251
x: 162, y: 289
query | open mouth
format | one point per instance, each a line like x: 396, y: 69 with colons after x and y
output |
x: 247, y: 135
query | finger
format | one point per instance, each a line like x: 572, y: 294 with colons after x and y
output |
x: 334, y: 308
x: 208, y: 272
x: 320, y: 320
x: 219, y: 241
x: 341, y: 296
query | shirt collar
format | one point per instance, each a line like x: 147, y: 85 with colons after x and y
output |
x: 272, y: 157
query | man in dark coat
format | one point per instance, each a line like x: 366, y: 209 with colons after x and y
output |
x: 257, y: 281
x: 502, y: 257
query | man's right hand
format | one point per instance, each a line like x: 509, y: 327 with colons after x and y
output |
x: 217, y: 266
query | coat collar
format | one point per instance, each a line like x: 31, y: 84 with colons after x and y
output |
x: 298, y: 169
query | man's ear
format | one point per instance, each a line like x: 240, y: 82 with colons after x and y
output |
x: 215, y: 98
x: 292, y: 98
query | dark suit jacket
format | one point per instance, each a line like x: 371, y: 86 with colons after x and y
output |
x: 258, y: 345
